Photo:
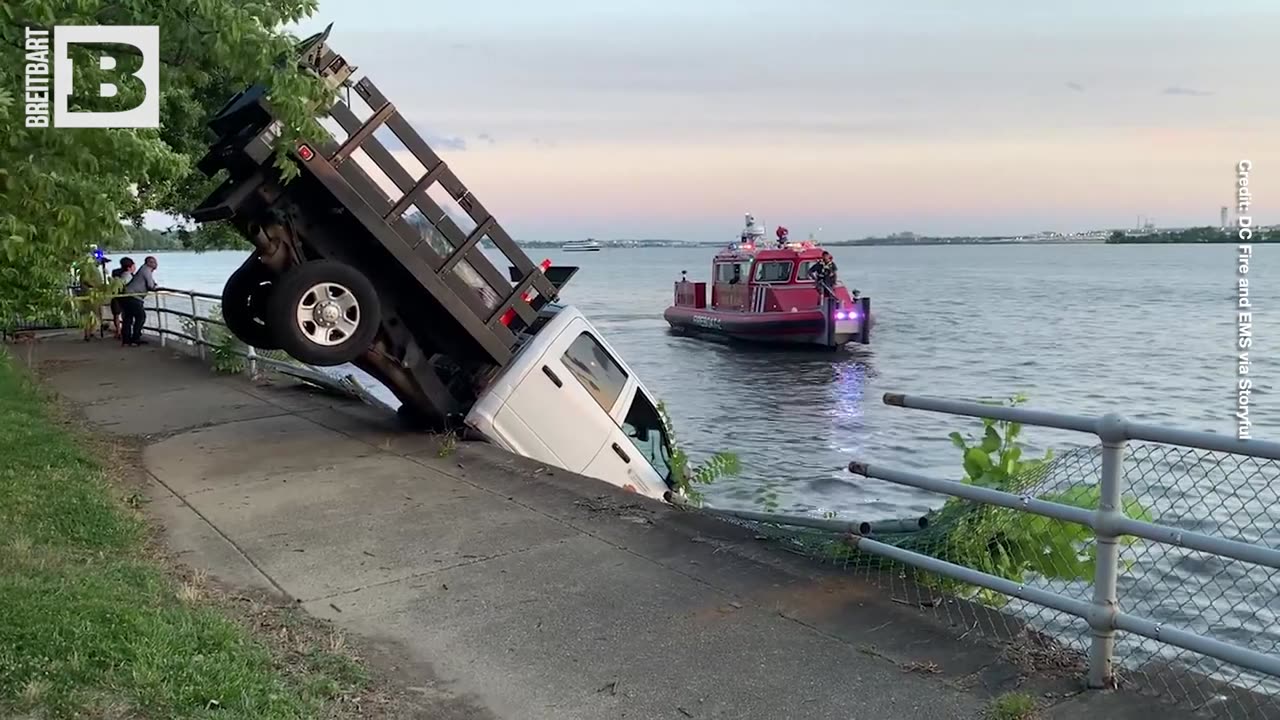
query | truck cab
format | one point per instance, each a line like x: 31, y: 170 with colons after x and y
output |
x: 566, y: 371
x: 376, y: 260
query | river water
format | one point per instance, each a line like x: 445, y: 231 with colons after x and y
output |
x: 1145, y: 331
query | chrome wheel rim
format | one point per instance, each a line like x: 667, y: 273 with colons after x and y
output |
x: 328, y: 314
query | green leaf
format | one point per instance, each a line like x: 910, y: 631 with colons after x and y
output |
x: 976, y: 463
x: 958, y: 441
x: 991, y: 440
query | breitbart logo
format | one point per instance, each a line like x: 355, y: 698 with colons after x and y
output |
x: 49, y: 73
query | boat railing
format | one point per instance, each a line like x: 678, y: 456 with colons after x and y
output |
x: 1175, y: 565
x: 691, y: 294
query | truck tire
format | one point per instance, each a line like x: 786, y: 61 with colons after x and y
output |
x: 244, y: 304
x: 324, y: 313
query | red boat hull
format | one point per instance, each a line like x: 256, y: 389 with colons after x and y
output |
x: 807, y: 327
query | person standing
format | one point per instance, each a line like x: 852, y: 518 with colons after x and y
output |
x: 117, y: 303
x: 143, y: 281
x: 136, y: 285
x: 824, y: 275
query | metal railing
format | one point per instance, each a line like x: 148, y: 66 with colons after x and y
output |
x: 160, y: 309
x: 196, y: 336
x: 1244, y: 636
x: 201, y: 340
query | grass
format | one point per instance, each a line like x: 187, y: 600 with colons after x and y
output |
x: 1012, y: 706
x: 94, y: 625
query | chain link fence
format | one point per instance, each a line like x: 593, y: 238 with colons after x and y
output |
x: 1221, y: 494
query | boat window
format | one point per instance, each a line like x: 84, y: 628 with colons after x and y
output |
x: 805, y: 267
x: 772, y: 272
x: 725, y: 272
x: 644, y: 428
x: 591, y: 364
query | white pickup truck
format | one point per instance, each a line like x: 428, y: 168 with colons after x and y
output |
x: 382, y: 275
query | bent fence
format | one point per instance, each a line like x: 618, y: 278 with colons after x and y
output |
x: 190, y: 320
x: 195, y: 326
x: 196, y: 313
x: 1184, y: 605
x: 202, y: 330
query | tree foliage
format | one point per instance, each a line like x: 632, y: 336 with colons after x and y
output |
x: 63, y: 189
x: 212, y: 236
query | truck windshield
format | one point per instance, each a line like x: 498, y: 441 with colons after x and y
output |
x: 643, y: 427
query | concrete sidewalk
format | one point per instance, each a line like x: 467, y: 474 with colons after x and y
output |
x: 508, y: 590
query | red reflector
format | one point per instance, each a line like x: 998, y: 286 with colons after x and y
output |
x: 305, y: 153
x: 510, y: 314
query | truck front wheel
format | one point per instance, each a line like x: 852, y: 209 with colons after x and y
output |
x: 324, y: 313
x: 244, y: 302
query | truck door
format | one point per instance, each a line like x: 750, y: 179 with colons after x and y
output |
x: 637, y: 453
x: 568, y: 397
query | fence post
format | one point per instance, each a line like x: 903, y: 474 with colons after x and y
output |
x: 195, y: 321
x: 1111, y: 430
x: 161, y: 325
x: 252, y: 365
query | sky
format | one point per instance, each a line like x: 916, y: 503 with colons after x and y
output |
x: 672, y: 118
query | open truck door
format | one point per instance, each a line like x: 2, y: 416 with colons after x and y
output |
x: 565, y: 400
x: 638, y: 451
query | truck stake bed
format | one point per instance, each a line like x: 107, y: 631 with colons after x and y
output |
x: 447, y: 319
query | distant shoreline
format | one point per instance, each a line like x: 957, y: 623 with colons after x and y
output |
x: 1228, y: 240
x: 1195, y: 236
x: 943, y: 241
x: 837, y: 243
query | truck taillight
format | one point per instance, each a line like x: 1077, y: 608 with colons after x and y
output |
x: 305, y: 153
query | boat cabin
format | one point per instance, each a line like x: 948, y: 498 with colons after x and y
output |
x: 745, y: 278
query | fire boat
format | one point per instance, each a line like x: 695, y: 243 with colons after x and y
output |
x: 766, y: 295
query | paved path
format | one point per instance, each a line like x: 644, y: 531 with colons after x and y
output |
x: 510, y: 591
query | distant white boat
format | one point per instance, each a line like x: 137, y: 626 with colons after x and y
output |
x: 588, y: 245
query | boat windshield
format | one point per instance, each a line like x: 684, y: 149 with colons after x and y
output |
x: 644, y: 428
x: 730, y: 272
x: 776, y: 271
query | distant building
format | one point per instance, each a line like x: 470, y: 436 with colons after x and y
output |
x: 1223, y: 220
